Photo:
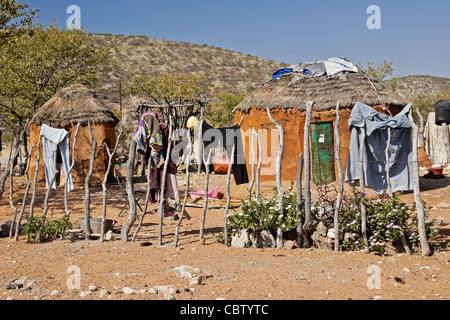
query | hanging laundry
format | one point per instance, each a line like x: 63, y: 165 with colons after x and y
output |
x: 226, y: 137
x: 52, y: 141
x: 376, y: 138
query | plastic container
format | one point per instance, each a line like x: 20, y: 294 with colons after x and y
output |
x: 96, y: 224
x: 442, y: 108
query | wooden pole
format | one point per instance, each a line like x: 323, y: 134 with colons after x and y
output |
x: 130, y: 192
x: 258, y: 168
x: 205, y: 205
x: 105, y: 180
x: 11, y: 182
x: 300, y: 201
x: 87, y: 200
x: 362, y: 189
x: 252, y: 180
x: 227, y: 208
x: 278, y: 176
x: 426, y: 251
x: 25, y: 196
x: 186, y: 192
x: 340, y: 180
x: 163, y: 183
x: 72, y: 165
x: 307, y: 156
x: 36, y: 173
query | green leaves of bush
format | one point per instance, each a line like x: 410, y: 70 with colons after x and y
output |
x: 38, y: 230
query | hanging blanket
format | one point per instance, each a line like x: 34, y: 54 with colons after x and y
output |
x: 400, y: 149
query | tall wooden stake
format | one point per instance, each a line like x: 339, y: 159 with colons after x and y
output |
x: 426, y: 251
x: 105, y: 180
x: 163, y: 183
x: 300, y: 200
x: 362, y: 189
x: 205, y: 204
x: 258, y: 168
x: 186, y: 192
x: 25, y: 196
x: 340, y: 180
x: 278, y: 176
x: 72, y: 165
x: 307, y: 155
x: 87, y: 200
x: 227, y: 208
x: 130, y: 192
x: 252, y: 146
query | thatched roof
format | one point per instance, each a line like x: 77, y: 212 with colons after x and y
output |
x: 72, y: 105
x: 293, y: 90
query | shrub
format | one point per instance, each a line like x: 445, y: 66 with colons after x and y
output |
x: 386, y: 220
x: 39, y: 231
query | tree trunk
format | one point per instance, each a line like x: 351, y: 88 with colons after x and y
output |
x: 426, y: 251
x: 130, y: 192
x: 307, y: 155
x: 278, y: 176
x: 87, y: 200
x: 340, y: 180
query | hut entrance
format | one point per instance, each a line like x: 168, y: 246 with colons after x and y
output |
x: 322, y: 142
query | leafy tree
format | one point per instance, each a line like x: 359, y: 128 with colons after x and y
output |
x: 170, y: 90
x: 220, y: 113
x: 14, y: 19
x: 378, y: 72
x: 37, y: 65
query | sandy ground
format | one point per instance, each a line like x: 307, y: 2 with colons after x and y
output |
x: 236, y: 274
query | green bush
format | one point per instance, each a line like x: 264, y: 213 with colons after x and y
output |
x: 38, y: 230
x: 386, y: 219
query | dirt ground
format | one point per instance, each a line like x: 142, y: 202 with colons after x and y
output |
x: 236, y: 274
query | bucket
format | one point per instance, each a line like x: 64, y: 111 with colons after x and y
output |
x: 96, y: 224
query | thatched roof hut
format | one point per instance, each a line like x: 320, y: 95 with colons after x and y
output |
x: 69, y: 107
x: 293, y: 90
x: 287, y: 96
x: 72, y: 105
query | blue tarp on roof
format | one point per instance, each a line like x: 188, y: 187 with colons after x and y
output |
x: 280, y: 72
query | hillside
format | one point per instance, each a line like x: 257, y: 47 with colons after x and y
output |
x: 412, y: 87
x: 223, y: 70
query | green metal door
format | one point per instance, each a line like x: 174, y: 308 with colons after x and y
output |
x: 322, y: 145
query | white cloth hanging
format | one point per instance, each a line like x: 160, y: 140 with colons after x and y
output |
x: 52, y: 139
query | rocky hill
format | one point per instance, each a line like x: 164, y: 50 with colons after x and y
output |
x: 222, y: 70
x: 412, y: 87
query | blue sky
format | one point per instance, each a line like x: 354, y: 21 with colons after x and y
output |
x: 414, y: 34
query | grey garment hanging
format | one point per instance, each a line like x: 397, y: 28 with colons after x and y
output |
x: 52, y: 140
x: 400, y: 149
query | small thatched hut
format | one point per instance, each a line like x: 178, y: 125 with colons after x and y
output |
x: 287, y: 96
x: 69, y: 107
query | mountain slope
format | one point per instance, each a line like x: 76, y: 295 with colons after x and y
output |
x: 222, y: 70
